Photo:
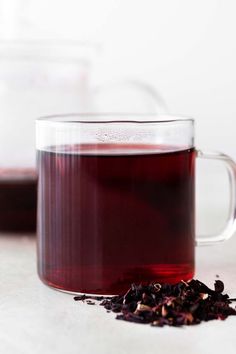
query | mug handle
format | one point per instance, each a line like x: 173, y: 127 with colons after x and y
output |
x: 153, y: 99
x: 230, y: 228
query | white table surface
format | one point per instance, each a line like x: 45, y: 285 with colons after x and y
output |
x: 35, y: 319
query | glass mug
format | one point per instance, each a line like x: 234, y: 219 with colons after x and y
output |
x: 116, y: 201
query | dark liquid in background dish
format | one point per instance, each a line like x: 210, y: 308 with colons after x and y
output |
x: 110, y: 215
x: 18, y: 200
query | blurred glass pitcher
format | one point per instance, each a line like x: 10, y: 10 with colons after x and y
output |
x: 42, y: 78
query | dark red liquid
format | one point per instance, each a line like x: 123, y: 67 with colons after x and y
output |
x: 18, y: 195
x: 111, y: 215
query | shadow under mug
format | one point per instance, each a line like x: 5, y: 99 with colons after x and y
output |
x: 116, y: 200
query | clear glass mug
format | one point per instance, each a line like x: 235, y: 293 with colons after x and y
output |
x: 116, y: 201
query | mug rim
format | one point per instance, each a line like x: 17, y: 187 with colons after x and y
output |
x: 112, y: 118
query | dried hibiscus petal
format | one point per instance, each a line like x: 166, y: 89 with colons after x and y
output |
x: 219, y: 286
x: 184, y: 303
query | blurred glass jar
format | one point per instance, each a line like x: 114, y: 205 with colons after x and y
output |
x: 36, y: 78
x: 39, y: 78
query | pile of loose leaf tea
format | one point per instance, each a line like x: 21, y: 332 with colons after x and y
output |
x: 184, y: 303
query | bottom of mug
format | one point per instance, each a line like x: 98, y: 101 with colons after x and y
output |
x: 53, y: 287
x: 107, y: 282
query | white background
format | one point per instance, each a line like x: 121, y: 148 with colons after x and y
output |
x: 185, y: 48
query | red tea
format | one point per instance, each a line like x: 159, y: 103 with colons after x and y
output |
x: 18, y: 195
x: 110, y: 215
